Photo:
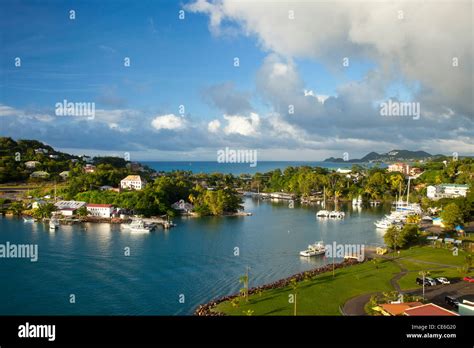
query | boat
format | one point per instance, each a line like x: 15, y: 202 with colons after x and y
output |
x: 28, y: 219
x: 136, y: 226
x: 337, y: 214
x: 383, y: 224
x: 323, y: 213
x: 53, y: 223
x: 314, y: 250
x: 357, y: 202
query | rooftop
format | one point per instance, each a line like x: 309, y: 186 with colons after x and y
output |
x: 399, y: 308
x: 133, y: 178
x: 429, y: 309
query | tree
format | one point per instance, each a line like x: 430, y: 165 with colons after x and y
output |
x: 17, y: 208
x: 408, y: 235
x: 44, y: 211
x: 245, y: 290
x: 451, y: 216
x: 82, y: 211
x: 391, y: 237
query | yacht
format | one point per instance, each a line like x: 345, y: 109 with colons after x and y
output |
x: 314, y: 250
x: 383, y: 224
x: 53, y: 223
x: 337, y: 214
x: 136, y: 226
x: 323, y: 213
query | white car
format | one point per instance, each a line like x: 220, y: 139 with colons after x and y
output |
x: 430, y: 281
x: 442, y: 280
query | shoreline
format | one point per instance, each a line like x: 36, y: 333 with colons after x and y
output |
x: 207, y: 308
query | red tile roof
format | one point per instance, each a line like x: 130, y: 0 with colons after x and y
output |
x: 429, y: 309
x: 399, y: 308
x: 94, y: 205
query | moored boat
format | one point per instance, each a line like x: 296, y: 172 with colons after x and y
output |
x: 314, y: 250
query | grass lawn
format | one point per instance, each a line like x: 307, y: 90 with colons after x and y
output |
x: 429, y: 254
x: 438, y: 255
x: 321, y: 295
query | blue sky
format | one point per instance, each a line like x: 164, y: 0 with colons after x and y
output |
x: 187, y: 62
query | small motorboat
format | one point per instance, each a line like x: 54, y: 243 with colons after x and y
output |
x: 314, y: 250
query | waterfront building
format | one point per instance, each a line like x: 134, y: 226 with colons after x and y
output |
x: 182, y: 206
x: 132, y: 182
x: 38, y: 203
x: 68, y: 208
x: 100, y: 210
x: 446, y: 191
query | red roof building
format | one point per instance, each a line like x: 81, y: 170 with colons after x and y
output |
x: 429, y: 309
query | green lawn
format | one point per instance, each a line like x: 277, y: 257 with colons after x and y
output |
x: 438, y: 255
x: 322, y: 295
x: 429, y: 254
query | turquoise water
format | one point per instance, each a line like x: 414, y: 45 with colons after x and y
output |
x: 242, y: 168
x: 196, y: 259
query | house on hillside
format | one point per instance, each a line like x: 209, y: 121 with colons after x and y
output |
x: 446, y: 191
x: 32, y: 164
x: 132, y: 182
x: 39, y: 175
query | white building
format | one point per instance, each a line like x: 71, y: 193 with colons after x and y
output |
x: 31, y: 164
x: 183, y: 206
x: 100, y: 210
x: 132, y: 182
x: 68, y: 208
x: 446, y: 191
x: 343, y: 170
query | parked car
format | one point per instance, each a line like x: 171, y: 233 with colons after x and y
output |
x: 431, y: 281
x: 453, y: 302
x: 469, y: 279
x: 419, y: 281
x: 442, y: 280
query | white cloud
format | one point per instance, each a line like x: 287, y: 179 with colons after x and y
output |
x: 169, y: 122
x: 213, y: 126
x: 243, y: 125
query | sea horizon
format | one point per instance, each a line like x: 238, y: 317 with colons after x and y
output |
x: 245, y: 168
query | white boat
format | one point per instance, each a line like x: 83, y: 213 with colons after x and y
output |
x: 357, y: 202
x: 323, y: 213
x: 136, y: 226
x: 28, y: 219
x: 53, y: 223
x: 383, y: 224
x: 314, y: 250
x: 337, y: 214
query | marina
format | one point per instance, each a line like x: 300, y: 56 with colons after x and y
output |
x: 196, y: 258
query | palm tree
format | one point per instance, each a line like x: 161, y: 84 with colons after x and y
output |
x: 248, y: 312
x: 424, y: 274
x: 245, y: 281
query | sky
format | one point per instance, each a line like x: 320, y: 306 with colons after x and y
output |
x: 309, y: 84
